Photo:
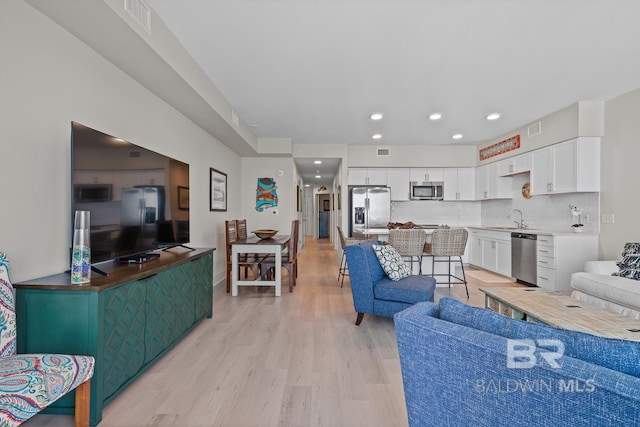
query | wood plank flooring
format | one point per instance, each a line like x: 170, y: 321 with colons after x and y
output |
x: 296, y: 360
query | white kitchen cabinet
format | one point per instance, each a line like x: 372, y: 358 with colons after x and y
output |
x: 515, y: 165
x: 489, y: 254
x: 459, y: 184
x: 491, y: 250
x: 367, y: 176
x: 568, y: 167
x: 503, y: 256
x: 426, y: 174
x: 398, y: 181
x: 132, y: 178
x: 92, y: 177
x: 491, y: 186
x: 560, y: 256
x: 475, y: 248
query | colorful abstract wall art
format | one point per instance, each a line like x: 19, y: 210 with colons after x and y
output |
x: 266, y: 195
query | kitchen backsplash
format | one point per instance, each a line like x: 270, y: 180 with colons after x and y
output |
x: 437, y: 212
x: 540, y: 212
x: 549, y: 212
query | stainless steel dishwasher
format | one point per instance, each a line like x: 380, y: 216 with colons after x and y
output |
x: 524, y: 263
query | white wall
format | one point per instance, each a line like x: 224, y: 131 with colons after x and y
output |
x: 413, y: 156
x: 619, y: 174
x: 49, y: 78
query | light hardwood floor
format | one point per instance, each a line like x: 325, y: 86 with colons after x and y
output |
x: 296, y: 360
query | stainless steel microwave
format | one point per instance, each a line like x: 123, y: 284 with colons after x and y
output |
x: 92, y: 192
x: 426, y: 190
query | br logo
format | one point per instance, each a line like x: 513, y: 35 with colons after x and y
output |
x: 524, y: 354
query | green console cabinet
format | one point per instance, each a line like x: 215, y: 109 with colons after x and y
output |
x: 126, y: 320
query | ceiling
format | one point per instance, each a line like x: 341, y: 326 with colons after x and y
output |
x: 315, y: 70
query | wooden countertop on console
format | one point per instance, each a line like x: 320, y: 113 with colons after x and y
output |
x: 117, y: 273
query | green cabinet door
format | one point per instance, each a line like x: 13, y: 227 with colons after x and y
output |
x: 123, y: 309
x: 201, y: 275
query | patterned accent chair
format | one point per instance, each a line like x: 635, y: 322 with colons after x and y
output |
x: 31, y: 382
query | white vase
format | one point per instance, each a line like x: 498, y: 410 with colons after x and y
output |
x: 577, y: 229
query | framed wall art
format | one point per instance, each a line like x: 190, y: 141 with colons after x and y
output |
x: 183, y: 198
x: 217, y: 190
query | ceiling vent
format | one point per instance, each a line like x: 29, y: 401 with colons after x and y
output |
x: 134, y: 154
x: 383, y: 152
x: 140, y: 13
x: 534, y: 129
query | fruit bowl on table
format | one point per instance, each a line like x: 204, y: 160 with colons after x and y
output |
x: 265, y: 234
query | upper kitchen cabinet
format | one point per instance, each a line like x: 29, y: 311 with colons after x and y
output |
x: 568, y: 167
x: 92, y: 177
x: 515, y: 165
x: 491, y: 186
x: 459, y: 184
x: 367, y: 176
x: 426, y: 174
x: 398, y: 181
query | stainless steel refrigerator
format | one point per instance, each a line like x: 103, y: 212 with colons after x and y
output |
x: 370, y: 207
x: 141, y: 208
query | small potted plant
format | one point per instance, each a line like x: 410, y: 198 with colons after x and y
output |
x: 577, y: 218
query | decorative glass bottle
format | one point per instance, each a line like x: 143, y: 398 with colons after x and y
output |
x: 81, y: 249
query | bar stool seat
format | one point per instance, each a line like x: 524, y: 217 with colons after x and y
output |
x: 447, y: 243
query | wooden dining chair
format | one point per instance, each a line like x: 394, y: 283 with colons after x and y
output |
x: 289, y: 260
x: 237, y: 230
x: 231, y: 235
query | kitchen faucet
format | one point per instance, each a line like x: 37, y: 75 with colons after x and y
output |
x: 520, y: 224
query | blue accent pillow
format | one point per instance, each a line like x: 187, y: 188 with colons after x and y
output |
x: 618, y: 355
x: 391, y: 262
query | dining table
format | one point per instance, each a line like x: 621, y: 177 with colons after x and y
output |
x: 256, y: 245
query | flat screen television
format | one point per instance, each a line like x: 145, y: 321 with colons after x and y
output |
x: 138, y: 199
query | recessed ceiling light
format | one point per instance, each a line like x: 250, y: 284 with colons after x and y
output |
x: 457, y: 136
x: 307, y: 185
x: 376, y: 116
x: 318, y: 177
x: 377, y: 136
x: 493, y: 116
x: 317, y: 162
x: 435, y: 116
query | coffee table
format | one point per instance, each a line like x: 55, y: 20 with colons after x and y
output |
x: 562, y: 311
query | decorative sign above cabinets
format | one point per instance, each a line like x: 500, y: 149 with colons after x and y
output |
x: 501, y: 147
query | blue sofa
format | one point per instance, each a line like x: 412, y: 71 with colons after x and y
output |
x: 464, y: 366
x: 374, y: 293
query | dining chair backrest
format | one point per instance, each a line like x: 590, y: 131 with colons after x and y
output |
x: 241, y: 225
x: 231, y: 234
x: 408, y: 242
x: 293, y: 242
x: 449, y: 241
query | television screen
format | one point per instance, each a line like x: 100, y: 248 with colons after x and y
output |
x: 138, y: 199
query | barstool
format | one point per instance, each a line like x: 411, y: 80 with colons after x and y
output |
x: 448, y: 243
x: 409, y: 243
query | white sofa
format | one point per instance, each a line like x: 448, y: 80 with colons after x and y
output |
x: 598, y: 288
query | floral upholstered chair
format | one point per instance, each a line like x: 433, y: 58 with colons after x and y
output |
x: 31, y: 382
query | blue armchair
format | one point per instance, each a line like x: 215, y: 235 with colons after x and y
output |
x: 374, y: 293
x: 467, y: 366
